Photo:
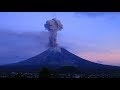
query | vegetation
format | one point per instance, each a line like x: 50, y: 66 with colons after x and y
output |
x: 44, y: 73
x: 63, y: 72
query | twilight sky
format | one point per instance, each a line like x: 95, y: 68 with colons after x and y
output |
x: 91, y: 35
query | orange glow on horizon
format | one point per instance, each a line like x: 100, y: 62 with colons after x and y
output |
x: 111, y: 58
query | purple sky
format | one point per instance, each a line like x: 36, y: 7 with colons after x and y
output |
x: 93, y: 36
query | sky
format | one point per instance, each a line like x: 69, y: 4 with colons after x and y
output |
x: 90, y: 35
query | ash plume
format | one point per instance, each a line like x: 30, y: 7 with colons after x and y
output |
x: 53, y: 26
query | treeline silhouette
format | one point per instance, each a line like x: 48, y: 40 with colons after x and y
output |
x: 63, y: 72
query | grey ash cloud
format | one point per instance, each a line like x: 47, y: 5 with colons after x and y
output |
x: 16, y: 46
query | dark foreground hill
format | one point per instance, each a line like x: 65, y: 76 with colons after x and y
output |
x: 55, y: 59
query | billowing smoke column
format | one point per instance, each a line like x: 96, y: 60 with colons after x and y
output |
x: 53, y: 26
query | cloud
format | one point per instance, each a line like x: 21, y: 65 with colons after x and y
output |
x: 99, y: 61
x: 110, y: 15
x: 110, y: 58
x: 91, y: 14
x: 16, y: 46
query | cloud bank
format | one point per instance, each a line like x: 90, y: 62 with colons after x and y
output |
x: 15, y: 47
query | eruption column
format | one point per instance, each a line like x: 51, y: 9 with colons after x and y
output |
x: 53, y: 26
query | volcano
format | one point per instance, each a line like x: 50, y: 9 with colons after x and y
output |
x: 55, y: 58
